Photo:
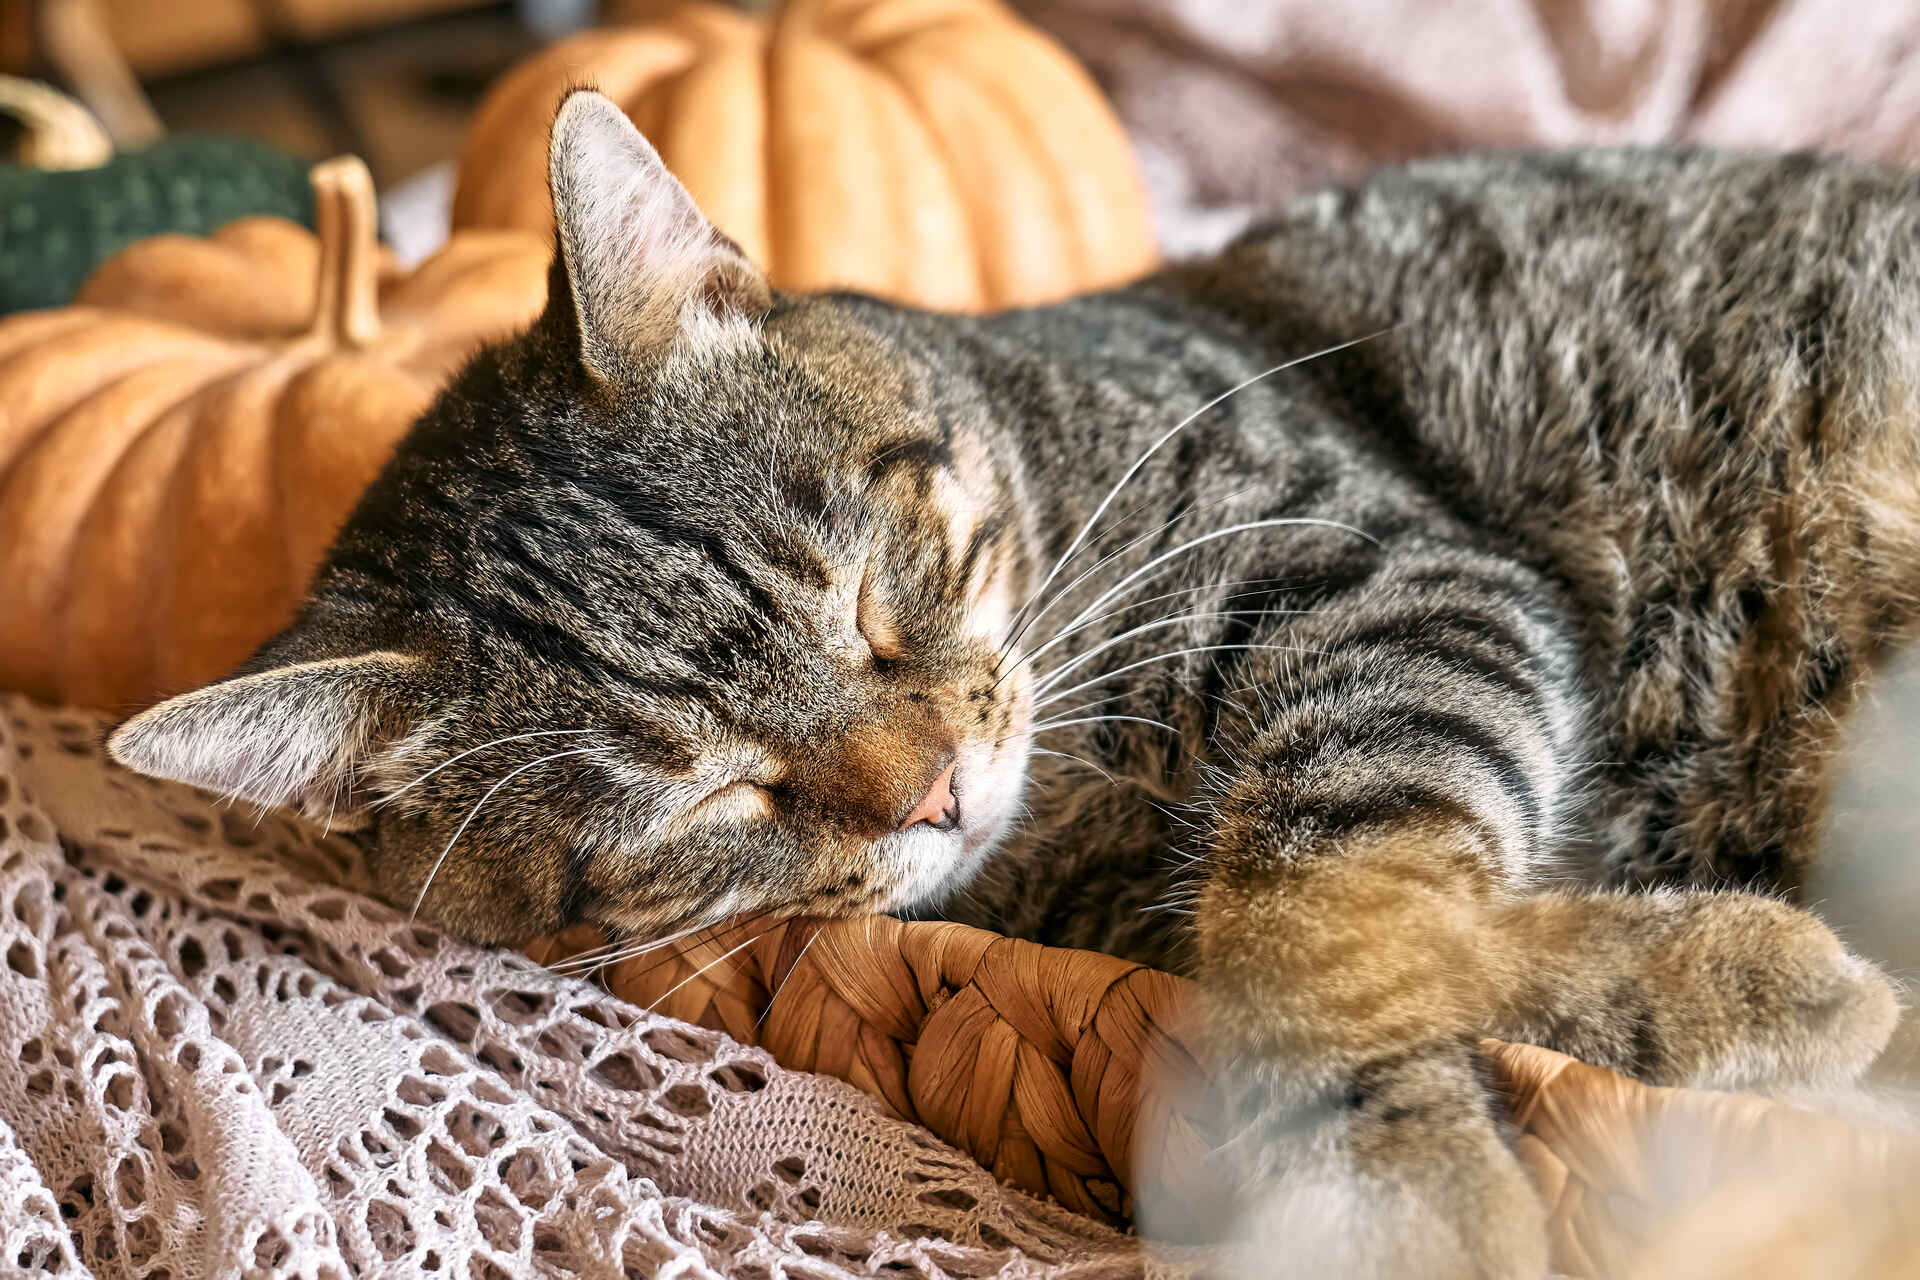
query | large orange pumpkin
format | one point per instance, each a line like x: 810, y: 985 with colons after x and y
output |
x: 178, y: 447
x: 940, y: 152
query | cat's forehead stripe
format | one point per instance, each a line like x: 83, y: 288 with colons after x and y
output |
x: 937, y: 480
x: 922, y: 454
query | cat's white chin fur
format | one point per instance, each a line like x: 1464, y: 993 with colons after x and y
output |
x: 928, y: 866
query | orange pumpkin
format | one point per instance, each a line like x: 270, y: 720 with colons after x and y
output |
x: 939, y: 152
x: 178, y: 448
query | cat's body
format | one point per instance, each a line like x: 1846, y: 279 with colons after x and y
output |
x: 1564, y: 565
x: 1666, y: 399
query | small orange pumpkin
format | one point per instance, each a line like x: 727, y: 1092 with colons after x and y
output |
x: 940, y: 152
x: 178, y: 448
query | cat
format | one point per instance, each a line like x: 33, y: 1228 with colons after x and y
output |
x: 1427, y: 618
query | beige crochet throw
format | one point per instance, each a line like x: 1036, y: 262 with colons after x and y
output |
x: 218, y: 1059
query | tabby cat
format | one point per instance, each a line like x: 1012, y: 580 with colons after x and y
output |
x: 1310, y: 618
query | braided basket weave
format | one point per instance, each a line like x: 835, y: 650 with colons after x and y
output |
x: 1031, y: 1059
x: 1075, y: 1075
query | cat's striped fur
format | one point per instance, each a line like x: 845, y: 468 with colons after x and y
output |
x: 1560, y: 567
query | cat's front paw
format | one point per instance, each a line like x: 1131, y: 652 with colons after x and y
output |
x: 1400, y: 1170
x: 1718, y: 990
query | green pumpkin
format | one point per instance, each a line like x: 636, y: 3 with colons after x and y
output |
x: 57, y: 225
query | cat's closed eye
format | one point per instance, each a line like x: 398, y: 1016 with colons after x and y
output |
x: 739, y: 801
x: 877, y: 626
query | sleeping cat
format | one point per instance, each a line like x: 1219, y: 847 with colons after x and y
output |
x: 1309, y: 618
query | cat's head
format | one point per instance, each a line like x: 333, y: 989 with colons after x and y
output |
x: 689, y: 602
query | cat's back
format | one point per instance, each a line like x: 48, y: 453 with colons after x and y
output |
x: 1639, y: 249
x: 1683, y: 384
x: 1646, y: 347
x: 1645, y: 221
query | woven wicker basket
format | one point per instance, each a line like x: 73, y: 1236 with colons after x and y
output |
x: 1069, y: 1073
x: 1030, y: 1058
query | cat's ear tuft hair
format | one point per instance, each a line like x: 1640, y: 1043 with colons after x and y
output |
x: 294, y: 735
x: 646, y: 269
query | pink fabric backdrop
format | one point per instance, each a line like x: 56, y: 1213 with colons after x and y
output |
x: 1236, y: 104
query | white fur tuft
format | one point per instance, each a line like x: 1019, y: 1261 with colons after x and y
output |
x: 291, y: 736
x: 648, y: 270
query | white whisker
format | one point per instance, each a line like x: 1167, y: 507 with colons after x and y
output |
x: 1182, y: 425
x: 1042, y: 683
x: 537, y: 733
x: 1119, y: 588
x: 1051, y: 725
x: 716, y: 933
x: 804, y: 948
x: 615, y: 952
x: 1097, y: 702
x: 480, y: 804
x: 1068, y: 755
x: 731, y: 951
x: 1162, y: 657
x: 1115, y: 612
x: 1109, y: 558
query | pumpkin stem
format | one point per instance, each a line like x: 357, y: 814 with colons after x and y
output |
x: 346, y: 302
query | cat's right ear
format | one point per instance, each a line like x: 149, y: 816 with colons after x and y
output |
x: 645, y: 268
x: 294, y: 735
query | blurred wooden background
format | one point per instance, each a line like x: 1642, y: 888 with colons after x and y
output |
x: 393, y: 81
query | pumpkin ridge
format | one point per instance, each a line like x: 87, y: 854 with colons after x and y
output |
x: 62, y: 351
x: 278, y: 443
x: 28, y: 324
x: 218, y: 412
x: 62, y: 324
x: 188, y: 284
x: 902, y: 201
x: 215, y: 402
x: 55, y: 583
x: 173, y: 276
x: 851, y: 22
x: 405, y: 315
x: 930, y: 123
x: 1065, y: 213
x: 831, y: 237
x: 443, y: 278
x: 72, y: 575
x: 1093, y: 238
x: 773, y: 189
x: 60, y: 417
x: 979, y: 214
x: 709, y: 122
x: 1028, y: 131
x: 880, y: 48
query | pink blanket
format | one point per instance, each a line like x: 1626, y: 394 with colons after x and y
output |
x: 1236, y: 104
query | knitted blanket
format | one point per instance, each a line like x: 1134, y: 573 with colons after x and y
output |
x: 219, y: 1058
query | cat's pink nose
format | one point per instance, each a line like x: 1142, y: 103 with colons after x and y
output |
x: 938, y: 808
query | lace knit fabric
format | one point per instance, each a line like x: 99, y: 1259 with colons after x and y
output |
x: 219, y: 1058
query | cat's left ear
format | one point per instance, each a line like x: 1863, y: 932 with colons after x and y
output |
x: 295, y: 735
x: 647, y: 271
